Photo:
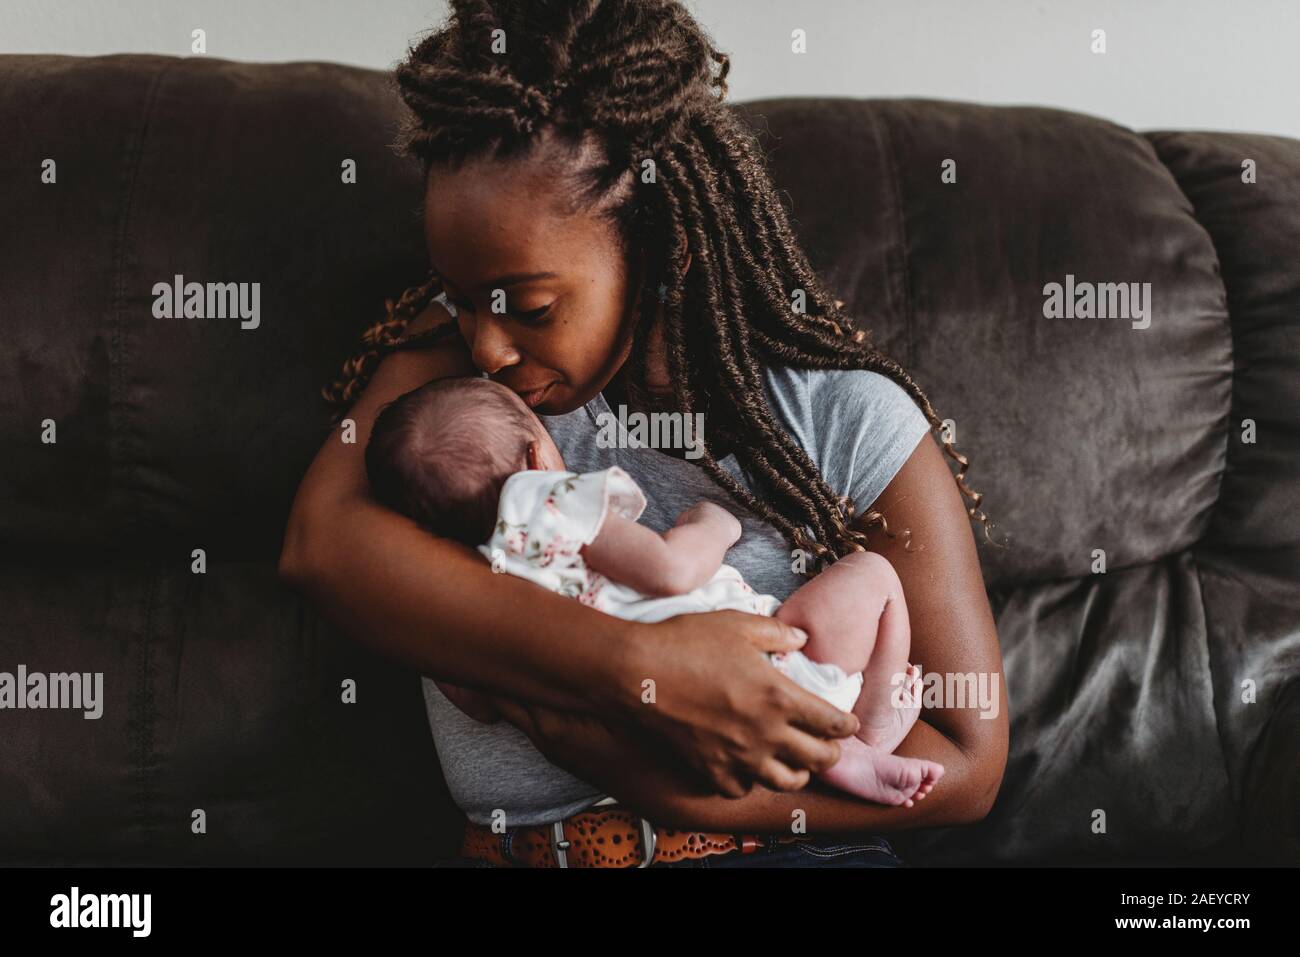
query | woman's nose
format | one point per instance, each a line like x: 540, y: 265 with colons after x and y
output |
x: 492, y: 350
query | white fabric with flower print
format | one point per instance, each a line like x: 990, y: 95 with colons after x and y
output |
x: 544, y: 519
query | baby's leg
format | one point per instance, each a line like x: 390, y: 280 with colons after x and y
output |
x: 855, y: 617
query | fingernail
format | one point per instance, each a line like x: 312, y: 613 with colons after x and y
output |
x: 803, y: 635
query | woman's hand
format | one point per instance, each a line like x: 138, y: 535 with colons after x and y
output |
x: 474, y: 703
x: 613, y: 756
x: 707, y: 689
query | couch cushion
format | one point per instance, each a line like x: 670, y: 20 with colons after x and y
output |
x: 1083, y: 434
x: 178, y: 432
x: 1249, y: 558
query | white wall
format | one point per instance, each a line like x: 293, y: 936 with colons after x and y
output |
x: 1174, y: 64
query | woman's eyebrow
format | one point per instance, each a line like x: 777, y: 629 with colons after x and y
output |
x: 510, y: 279
x: 514, y: 279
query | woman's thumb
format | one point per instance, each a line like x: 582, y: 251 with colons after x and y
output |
x: 774, y: 635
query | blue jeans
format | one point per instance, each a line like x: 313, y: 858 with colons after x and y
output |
x: 868, y: 851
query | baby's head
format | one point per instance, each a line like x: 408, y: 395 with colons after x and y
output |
x: 441, y: 453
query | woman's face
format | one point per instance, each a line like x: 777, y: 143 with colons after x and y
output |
x: 543, y: 296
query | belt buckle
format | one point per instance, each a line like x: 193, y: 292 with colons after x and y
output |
x: 560, y: 846
x: 649, y: 840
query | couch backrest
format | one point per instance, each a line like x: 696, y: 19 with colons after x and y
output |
x: 1083, y: 433
x: 195, y: 431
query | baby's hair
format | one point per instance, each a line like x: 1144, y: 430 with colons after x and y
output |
x: 441, y: 453
x: 622, y: 83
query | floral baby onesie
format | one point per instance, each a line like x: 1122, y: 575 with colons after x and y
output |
x: 544, y: 519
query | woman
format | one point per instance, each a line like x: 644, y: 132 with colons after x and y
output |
x: 606, y: 234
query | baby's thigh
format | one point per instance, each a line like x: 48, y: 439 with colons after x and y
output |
x: 841, y: 607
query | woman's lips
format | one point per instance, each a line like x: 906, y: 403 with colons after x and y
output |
x: 534, y: 398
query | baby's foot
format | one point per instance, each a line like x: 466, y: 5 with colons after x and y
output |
x: 884, y: 778
x: 885, y: 723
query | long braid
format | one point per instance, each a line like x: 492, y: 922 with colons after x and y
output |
x: 387, y: 332
x: 740, y: 380
x: 642, y: 80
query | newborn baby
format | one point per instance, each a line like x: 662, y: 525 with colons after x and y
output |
x: 468, y: 460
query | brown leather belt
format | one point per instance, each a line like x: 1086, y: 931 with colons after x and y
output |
x: 602, y: 837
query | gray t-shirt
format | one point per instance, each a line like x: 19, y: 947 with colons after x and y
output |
x: 859, y: 427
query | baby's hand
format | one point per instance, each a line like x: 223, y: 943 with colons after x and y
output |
x: 706, y: 513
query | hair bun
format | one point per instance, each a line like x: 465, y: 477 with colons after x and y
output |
x: 653, y: 96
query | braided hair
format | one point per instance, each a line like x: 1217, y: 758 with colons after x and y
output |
x: 679, y: 175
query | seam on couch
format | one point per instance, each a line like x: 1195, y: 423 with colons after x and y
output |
x: 117, y: 352
x: 143, y: 721
x: 1234, y: 786
x: 1226, y: 302
x: 904, y: 276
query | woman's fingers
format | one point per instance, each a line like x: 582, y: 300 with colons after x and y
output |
x: 518, y: 714
x: 769, y: 634
x: 818, y: 717
x: 754, y: 725
x: 779, y: 776
x: 802, y: 750
x: 473, y: 703
x: 728, y: 785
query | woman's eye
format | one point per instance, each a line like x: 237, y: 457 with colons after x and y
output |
x: 535, y: 315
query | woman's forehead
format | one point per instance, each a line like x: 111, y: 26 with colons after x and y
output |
x: 491, y: 218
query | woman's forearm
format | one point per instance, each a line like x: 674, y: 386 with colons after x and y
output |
x: 437, y: 606
x: 622, y: 762
x: 960, y: 797
x: 431, y: 602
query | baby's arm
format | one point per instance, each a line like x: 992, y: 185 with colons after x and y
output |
x: 680, y: 560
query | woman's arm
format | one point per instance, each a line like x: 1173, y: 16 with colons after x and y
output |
x: 385, y: 580
x: 437, y: 606
x: 623, y: 762
x: 952, y: 632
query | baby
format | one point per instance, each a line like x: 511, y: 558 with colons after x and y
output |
x: 467, y: 459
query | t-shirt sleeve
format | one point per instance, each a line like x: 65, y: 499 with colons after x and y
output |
x: 523, y: 521
x: 585, y: 500
x: 542, y: 515
x: 862, y: 426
